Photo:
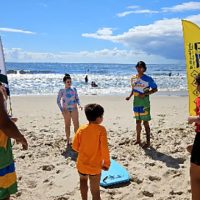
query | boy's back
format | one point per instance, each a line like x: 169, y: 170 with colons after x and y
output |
x: 91, y: 143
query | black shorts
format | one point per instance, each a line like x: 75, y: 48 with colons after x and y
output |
x: 195, y: 156
x: 87, y: 174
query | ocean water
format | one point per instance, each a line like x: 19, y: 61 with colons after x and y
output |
x: 112, y: 79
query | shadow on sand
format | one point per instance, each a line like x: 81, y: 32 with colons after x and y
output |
x: 70, y: 153
x: 168, y: 160
x: 119, y: 185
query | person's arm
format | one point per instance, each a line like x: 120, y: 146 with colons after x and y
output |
x: 77, y: 99
x: 8, y: 127
x: 76, y: 142
x: 192, y: 119
x: 59, y: 96
x: 132, y: 85
x: 151, y: 91
x: 4, y: 92
x: 104, y: 150
x: 153, y: 86
x: 148, y: 93
x: 131, y: 94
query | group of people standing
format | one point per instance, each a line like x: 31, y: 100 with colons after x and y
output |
x: 90, y: 140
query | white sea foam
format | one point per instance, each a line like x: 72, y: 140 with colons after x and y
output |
x: 117, y: 84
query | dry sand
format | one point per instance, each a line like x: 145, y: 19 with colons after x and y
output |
x: 47, y: 172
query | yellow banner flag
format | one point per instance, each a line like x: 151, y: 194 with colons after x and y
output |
x: 191, y: 34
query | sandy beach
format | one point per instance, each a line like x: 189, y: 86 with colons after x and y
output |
x: 47, y: 172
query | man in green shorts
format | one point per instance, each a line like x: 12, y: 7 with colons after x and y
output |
x: 142, y: 87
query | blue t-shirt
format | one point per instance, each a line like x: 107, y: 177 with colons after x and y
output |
x: 142, y: 84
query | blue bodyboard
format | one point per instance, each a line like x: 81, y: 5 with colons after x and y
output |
x: 116, y: 174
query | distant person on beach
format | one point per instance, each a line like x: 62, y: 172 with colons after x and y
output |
x: 90, y: 142
x: 195, y: 149
x: 142, y: 87
x: 8, y: 130
x: 86, y: 79
x: 68, y: 101
x: 93, y: 84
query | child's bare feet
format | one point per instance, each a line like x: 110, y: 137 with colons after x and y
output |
x: 146, y: 145
x: 68, y: 144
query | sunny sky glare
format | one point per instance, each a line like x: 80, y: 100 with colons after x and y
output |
x: 100, y: 31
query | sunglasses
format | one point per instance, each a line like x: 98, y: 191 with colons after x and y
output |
x: 68, y: 82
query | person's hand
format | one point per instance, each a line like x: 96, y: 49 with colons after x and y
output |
x: 64, y: 110
x: 127, y: 98
x: 105, y: 168
x: 190, y: 119
x: 197, y: 120
x: 23, y: 141
x: 80, y: 107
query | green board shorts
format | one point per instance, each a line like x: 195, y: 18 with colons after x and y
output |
x: 141, y: 108
x: 8, y: 179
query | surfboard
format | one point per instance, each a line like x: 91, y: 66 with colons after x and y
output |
x: 3, y: 73
x: 116, y: 174
x: 191, y: 33
x: 4, y: 77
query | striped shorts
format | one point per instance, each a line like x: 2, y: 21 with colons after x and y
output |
x: 8, y: 181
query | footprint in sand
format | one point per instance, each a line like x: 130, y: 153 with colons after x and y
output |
x: 154, y: 178
x: 48, y: 167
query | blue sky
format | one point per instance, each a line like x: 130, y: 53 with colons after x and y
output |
x: 101, y: 31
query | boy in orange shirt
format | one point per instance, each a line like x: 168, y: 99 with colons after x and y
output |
x: 90, y: 141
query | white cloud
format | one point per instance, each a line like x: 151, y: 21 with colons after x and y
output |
x: 133, y: 7
x: 114, y: 55
x: 194, y: 18
x: 183, y: 7
x: 105, y: 31
x: 144, y: 11
x: 187, y: 6
x: 163, y: 37
x: 123, y: 14
x: 13, y: 30
x: 101, y: 33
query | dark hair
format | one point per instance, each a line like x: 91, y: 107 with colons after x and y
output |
x: 197, y: 78
x: 67, y: 76
x: 93, y: 111
x: 142, y: 64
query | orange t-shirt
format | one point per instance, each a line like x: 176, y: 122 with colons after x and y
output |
x: 90, y: 141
